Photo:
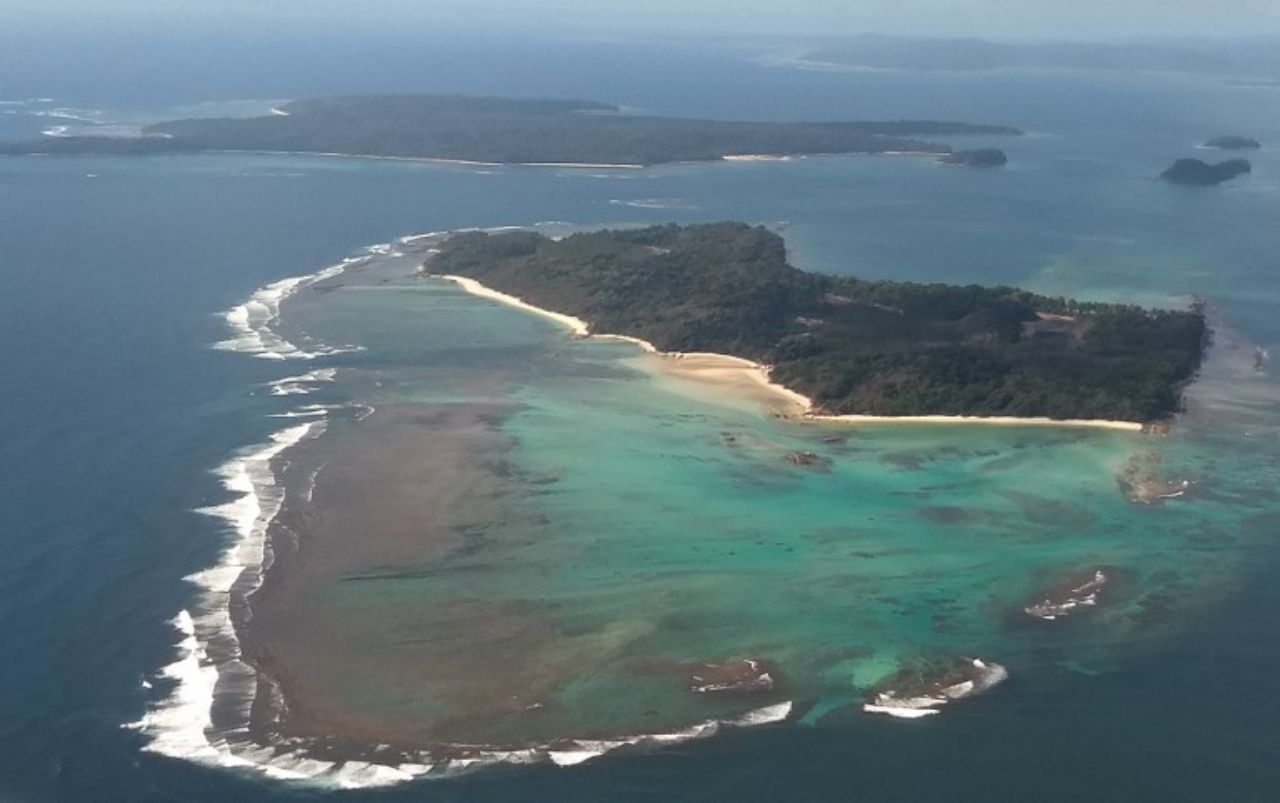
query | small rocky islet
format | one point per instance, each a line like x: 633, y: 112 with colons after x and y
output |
x: 1080, y: 591
x: 924, y: 689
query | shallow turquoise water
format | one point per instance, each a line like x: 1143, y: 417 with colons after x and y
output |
x: 650, y: 523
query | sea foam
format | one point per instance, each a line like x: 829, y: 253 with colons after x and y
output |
x: 983, y: 676
x: 181, y: 724
x: 251, y: 322
x: 302, y: 384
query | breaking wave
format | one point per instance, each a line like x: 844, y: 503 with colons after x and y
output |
x: 976, y: 678
x: 209, y: 670
x: 252, y: 322
x: 303, y: 384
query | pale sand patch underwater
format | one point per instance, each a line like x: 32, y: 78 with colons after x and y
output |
x: 749, y: 379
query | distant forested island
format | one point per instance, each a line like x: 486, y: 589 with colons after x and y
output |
x: 852, y: 346
x: 1198, y: 173
x: 1233, y: 142
x: 875, y: 51
x: 507, y: 131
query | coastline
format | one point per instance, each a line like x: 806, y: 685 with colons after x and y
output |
x: 1006, y: 420
x: 751, y: 379
x: 793, y: 157
x: 427, y: 159
x: 57, y: 132
x: 733, y: 157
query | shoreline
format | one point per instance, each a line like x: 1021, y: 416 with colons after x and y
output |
x: 795, y: 157
x: 720, y: 368
x: 424, y: 159
x: 742, y: 157
x: 1005, y: 420
x: 439, y: 160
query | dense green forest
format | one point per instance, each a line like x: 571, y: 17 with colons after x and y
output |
x: 853, y: 346
x: 510, y: 131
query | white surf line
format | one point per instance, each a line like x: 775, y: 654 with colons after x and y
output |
x: 180, y: 725
x: 582, y: 165
x: 252, y: 321
x: 987, y: 676
x: 581, y: 750
x: 302, y: 384
x: 309, y: 411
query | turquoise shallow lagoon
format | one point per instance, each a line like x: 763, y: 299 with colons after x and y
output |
x: 641, y: 524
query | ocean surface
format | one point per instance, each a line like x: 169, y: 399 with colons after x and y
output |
x: 643, y: 518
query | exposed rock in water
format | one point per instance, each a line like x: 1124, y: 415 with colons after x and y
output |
x: 979, y: 157
x: 1233, y: 142
x: 742, y: 676
x: 1196, y: 173
x: 1140, y: 481
x: 923, y: 691
x: 1069, y: 597
x: 809, y: 460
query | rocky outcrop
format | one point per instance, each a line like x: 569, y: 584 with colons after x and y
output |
x: 740, y: 676
x: 1077, y: 593
x: 809, y: 460
x: 1140, y: 481
x: 923, y: 690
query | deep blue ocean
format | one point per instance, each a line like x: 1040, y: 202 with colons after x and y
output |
x: 115, y: 408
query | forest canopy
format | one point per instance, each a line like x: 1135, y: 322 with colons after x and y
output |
x: 851, y: 345
x: 509, y: 131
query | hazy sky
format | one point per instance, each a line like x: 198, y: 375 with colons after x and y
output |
x: 988, y: 18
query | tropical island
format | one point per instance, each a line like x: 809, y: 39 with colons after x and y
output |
x: 1198, y: 173
x: 851, y: 346
x: 507, y: 131
x: 1233, y: 142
